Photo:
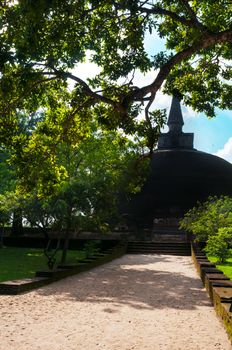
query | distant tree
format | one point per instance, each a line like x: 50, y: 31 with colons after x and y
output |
x: 8, y: 174
x: 9, y: 204
x: 8, y: 184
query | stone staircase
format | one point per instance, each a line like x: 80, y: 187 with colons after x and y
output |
x: 168, y: 248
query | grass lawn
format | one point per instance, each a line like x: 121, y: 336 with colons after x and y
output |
x: 16, y: 263
x: 226, y: 267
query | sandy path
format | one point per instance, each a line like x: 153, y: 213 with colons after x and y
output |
x: 136, y: 302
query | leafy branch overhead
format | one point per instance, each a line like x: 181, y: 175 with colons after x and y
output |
x: 44, y: 40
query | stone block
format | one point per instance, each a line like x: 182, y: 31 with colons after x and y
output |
x: 20, y: 286
x: 220, y: 281
x: 223, y: 293
x: 203, y: 263
x: 202, y: 258
x: 223, y: 311
x: 50, y: 273
x: 70, y: 266
x: 222, y: 299
x: 208, y: 270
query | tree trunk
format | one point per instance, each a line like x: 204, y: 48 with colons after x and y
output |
x: 46, y: 235
x: 67, y: 237
x: 1, y: 237
x: 65, y: 248
x: 17, y: 225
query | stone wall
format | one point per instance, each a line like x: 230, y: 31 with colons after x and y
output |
x: 218, y: 286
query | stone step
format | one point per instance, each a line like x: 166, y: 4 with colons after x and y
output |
x: 162, y: 253
x: 157, y: 237
x: 157, y: 249
x: 156, y: 244
x: 140, y: 247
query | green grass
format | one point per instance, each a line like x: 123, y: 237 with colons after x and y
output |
x: 225, y: 267
x: 17, y: 263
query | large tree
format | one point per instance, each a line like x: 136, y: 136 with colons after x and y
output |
x: 43, y: 41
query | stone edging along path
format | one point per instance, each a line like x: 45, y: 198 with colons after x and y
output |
x: 218, y: 286
x: 136, y: 302
x: 45, y: 277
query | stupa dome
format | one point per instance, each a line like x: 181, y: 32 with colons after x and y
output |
x: 179, y: 176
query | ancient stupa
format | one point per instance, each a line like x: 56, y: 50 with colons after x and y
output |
x: 179, y: 176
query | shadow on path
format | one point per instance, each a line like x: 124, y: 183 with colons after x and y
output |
x: 135, y: 282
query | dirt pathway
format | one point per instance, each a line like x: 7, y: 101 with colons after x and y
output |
x: 137, y: 302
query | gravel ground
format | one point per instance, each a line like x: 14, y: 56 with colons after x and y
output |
x: 137, y: 302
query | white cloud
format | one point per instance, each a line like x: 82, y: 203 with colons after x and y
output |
x: 141, y: 79
x: 188, y: 112
x: 226, y: 151
x: 84, y: 71
x: 162, y: 101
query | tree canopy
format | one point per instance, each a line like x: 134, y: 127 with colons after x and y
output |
x: 43, y: 41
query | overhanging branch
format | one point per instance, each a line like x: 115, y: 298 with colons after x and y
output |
x: 193, y: 16
x: 209, y: 40
x: 164, y: 12
x: 86, y: 89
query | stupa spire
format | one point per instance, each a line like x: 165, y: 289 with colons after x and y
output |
x: 175, y: 138
x: 175, y: 119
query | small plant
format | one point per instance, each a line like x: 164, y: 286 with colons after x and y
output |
x: 51, y: 253
x: 218, y: 245
x: 91, y: 248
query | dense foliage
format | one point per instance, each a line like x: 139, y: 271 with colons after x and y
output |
x: 86, y: 198
x: 211, y: 222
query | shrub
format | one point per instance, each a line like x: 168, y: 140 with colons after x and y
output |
x: 218, y: 245
x: 211, y: 222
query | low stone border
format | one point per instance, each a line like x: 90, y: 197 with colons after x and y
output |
x: 45, y: 277
x: 216, y: 280
x: 23, y: 285
x: 218, y: 286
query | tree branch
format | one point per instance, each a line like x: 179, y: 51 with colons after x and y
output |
x: 173, y: 15
x: 87, y: 89
x: 193, y: 16
x: 147, y: 92
x: 209, y: 40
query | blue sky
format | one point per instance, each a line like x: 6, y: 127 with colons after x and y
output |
x: 210, y: 135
